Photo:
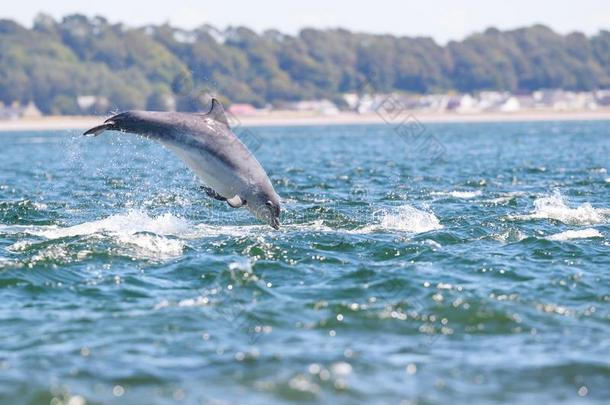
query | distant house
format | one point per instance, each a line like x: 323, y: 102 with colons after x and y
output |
x: 325, y: 107
x: 489, y: 101
x: 243, y: 109
x: 85, y: 102
x: 565, y: 100
x: 30, y: 111
x: 352, y: 100
x: 368, y: 103
x: 463, y: 103
x: 92, y: 104
x: 602, y: 97
x: 526, y: 101
x: 16, y: 111
x: 492, y: 100
x: 434, y: 102
x: 511, y: 104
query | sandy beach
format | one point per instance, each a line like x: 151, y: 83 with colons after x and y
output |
x: 291, y: 118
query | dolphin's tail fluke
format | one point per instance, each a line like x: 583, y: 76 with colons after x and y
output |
x: 112, y: 123
x: 130, y: 121
x: 98, y: 130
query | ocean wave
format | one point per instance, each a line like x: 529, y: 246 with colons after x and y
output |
x: 509, y: 236
x: 576, y: 234
x: 504, y: 198
x: 206, y: 230
x: 158, y: 245
x: 132, y: 222
x: 459, y: 194
x: 405, y: 219
x: 554, y: 206
x: 145, y: 234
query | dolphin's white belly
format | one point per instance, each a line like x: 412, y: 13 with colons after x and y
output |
x: 214, y: 173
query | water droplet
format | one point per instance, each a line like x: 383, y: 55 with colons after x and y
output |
x: 118, y: 391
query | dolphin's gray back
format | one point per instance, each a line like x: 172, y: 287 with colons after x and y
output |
x: 207, y: 146
x: 200, y: 132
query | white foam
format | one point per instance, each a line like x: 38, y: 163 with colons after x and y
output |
x: 158, y: 245
x: 133, y: 222
x: 200, y: 301
x: 148, y: 236
x: 554, y: 207
x: 41, y: 206
x: 509, y: 236
x: 313, y: 226
x: 576, y: 234
x: 505, y: 198
x: 205, y: 230
x: 405, y: 219
x: 144, y: 235
x: 459, y: 194
x: 244, y: 265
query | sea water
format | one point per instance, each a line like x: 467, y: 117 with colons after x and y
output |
x: 468, y: 264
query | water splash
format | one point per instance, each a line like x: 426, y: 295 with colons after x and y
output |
x: 146, y: 235
x: 504, y: 198
x: 405, y: 219
x: 554, y: 206
x: 465, y: 195
x: 576, y: 234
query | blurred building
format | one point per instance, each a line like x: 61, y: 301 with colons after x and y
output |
x: 325, y: 107
x: 243, y: 109
x: 16, y: 111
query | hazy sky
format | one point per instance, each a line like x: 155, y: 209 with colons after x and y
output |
x: 440, y: 19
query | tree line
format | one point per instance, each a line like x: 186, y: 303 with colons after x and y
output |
x: 152, y: 67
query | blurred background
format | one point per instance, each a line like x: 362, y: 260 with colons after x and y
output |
x: 68, y: 58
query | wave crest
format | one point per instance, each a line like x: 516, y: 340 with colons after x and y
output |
x: 148, y: 236
x: 555, y: 207
x: 576, y: 234
x: 465, y: 195
x: 405, y: 219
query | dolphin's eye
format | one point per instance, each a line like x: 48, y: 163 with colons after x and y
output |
x: 269, y: 204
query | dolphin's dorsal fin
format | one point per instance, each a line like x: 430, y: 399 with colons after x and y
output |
x: 217, y: 113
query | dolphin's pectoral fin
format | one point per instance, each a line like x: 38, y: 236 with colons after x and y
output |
x: 213, y: 194
x: 236, y: 202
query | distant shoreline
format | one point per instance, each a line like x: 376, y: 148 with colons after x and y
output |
x: 291, y: 118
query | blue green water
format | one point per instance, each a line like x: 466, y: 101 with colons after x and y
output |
x: 479, y: 275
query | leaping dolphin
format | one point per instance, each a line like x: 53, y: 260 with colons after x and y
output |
x: 207, y: 145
